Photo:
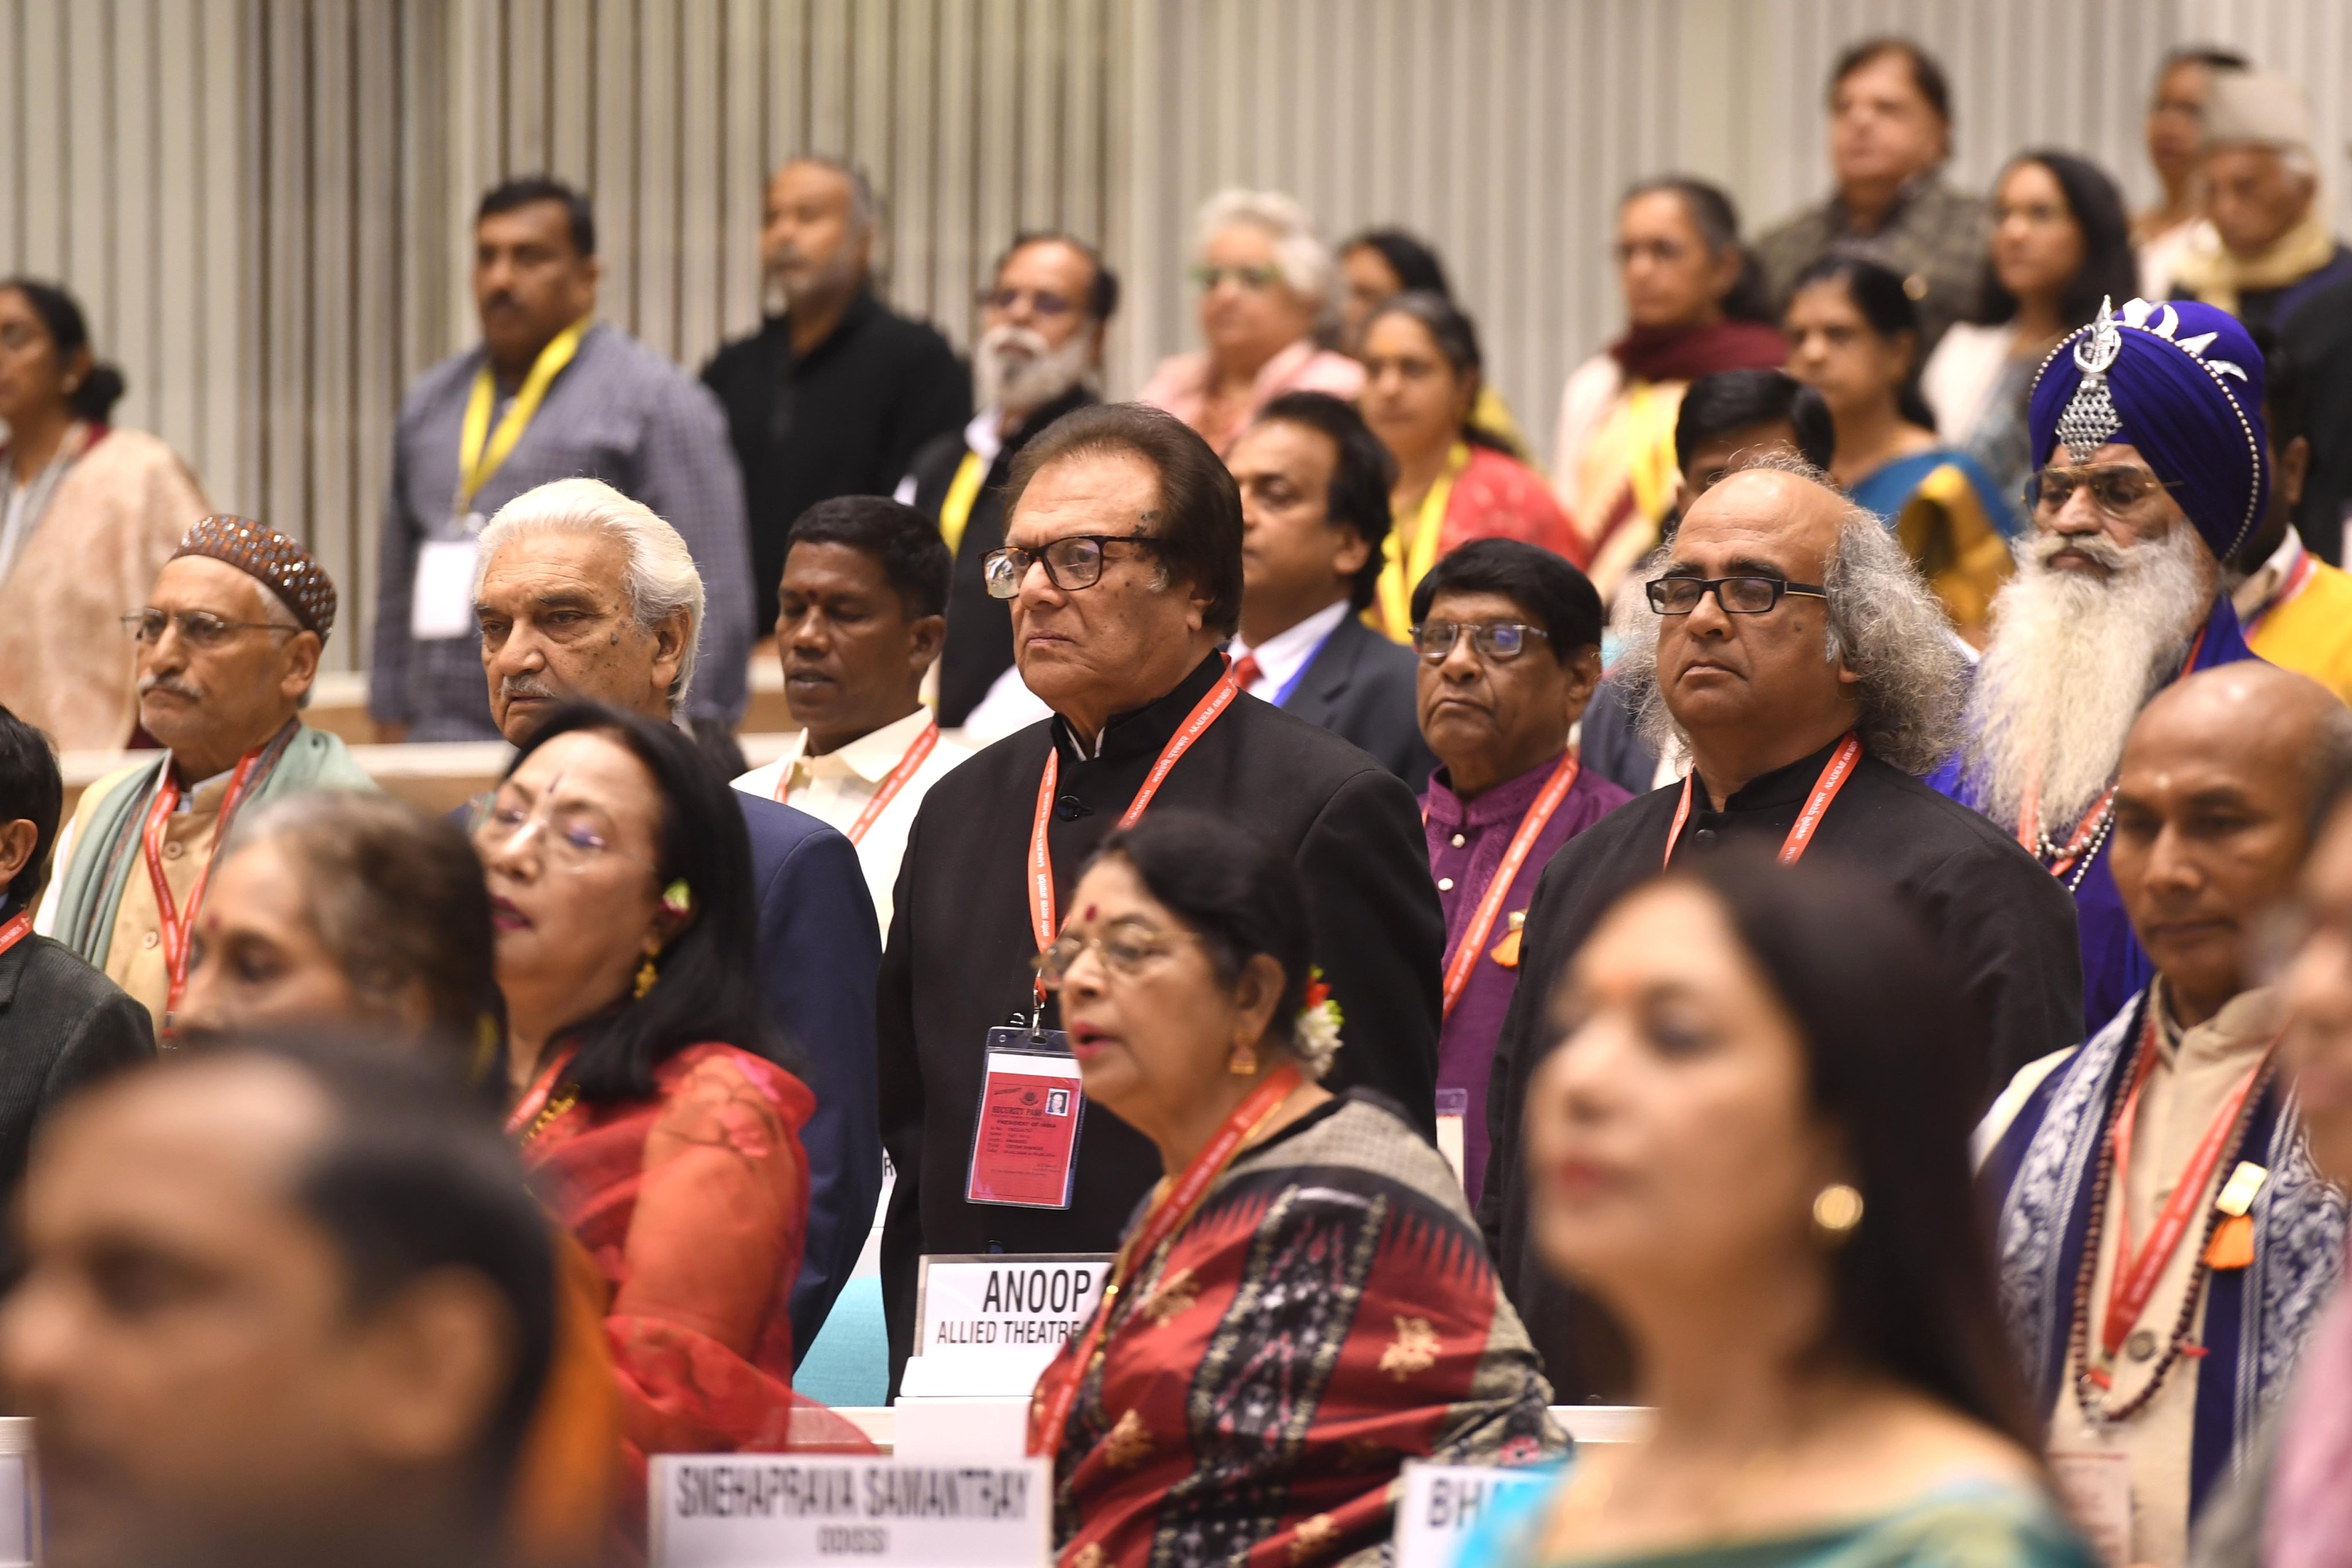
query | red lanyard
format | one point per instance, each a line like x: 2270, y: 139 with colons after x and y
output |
x: 14, y: 931
x: 2136, y: 1274
x: 2029, y: 822
x: 892, y: 785
x: 1049, y: 1411
x: 1490, y: 908
x: 1834, y: 773
x: 1043, y: 919
x: 177, y: 926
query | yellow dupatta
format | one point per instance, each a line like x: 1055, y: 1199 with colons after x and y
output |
x: 1408, y: 558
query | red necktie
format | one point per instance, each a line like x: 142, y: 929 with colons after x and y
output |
x: 1246, y: 671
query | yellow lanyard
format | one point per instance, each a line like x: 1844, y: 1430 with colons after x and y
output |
x: 479, y: 452
x: 1401, y: 576
x: 955, y: 508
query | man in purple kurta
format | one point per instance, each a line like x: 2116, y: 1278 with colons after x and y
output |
x: 1509, y: 637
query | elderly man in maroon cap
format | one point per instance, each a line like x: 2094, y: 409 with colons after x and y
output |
x: 228, y: 643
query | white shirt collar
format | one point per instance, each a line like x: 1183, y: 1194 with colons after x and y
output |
x: 870, y: 756
x: 984, y: 436
x: 2254, y: 596
x: 1286, y: 652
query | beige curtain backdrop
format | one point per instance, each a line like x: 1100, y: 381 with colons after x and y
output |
x: 265, y: 203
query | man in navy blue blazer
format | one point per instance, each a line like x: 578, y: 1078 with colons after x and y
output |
x: 582, y: 593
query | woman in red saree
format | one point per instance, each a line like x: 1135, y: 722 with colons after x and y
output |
x: 1305, y: 1302
x: 647, y: 1094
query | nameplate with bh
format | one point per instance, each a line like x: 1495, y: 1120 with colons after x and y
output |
x: 746, y: 1511
x: 1443, y: 1503
x: 987, y: 1323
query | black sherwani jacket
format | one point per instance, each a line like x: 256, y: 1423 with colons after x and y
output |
x: 2004, y: 926
x: 957, y: 962
x: 62, y: 1024
x: 1361, y: 686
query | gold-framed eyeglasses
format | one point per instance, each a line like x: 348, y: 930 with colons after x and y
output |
x: 571, y: 837
x: 2118, y: 490
x: 1125, y: 952
x: 198, y: 628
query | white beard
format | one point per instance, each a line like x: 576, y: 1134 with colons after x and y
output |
x: 2072, y: 661
x: 1031, y: 378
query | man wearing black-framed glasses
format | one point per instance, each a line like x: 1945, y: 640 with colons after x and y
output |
x: 1045, y: 315
x: 1789, y: 646
x: 1121, y: 564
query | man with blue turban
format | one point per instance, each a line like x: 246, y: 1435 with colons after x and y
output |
x: 2147, y: 427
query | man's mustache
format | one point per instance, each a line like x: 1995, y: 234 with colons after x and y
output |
x: 2095, y: 548
x: 171, y: 684
x: 513, y: 686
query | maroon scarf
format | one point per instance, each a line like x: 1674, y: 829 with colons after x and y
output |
x: 1686, y: 353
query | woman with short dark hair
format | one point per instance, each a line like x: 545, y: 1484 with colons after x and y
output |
x: 89, y: 514
x: 1304, y: 1302
x: 1751, y: 1143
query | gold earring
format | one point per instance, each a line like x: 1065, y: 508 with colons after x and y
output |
x: 646, y: 975
x: 1243, y: 1062
x: 1837, y: 1209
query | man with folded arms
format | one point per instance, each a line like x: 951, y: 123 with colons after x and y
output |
x: 2164, y: 1242
x: 1788, y: 645
x: 1122, y: 561
x: 228, y: 643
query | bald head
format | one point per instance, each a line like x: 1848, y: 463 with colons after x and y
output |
x: 1800, y: 515
x: 2213, y: 807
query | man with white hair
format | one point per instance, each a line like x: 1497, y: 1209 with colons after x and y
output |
x: 584, y: 592
x: 2270, y: 247
x: 1265, y: 281
x: 2157, y: 467
x: 1786, y: 641
x: 836, y: 395
x: 1040, y: 351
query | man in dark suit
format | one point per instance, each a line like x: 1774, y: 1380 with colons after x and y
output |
x: 62, y: 1023
x: 586, y: 593
x: 1123, y: 564
x: 1315, y: 511
x: 1041, y: 345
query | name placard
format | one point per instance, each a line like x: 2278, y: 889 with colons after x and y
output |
x: 986, y: 1324
x: 750, y: 1511
x: 1443, y: 1503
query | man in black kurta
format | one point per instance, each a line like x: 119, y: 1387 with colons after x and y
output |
x: 958, y: 959
x: 1764, y: 714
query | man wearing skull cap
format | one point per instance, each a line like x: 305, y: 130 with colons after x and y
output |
x: 2147, y: 424
x: 228, y: 643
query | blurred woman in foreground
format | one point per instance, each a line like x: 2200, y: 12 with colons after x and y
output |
x: 1303, y: 1304
x: 1750, y: 1145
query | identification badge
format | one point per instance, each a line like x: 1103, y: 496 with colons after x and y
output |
x: 2095, y: 1486
x: 1024, y: 1146
x: 441, y: 601
x: 1442, y: 1505
x: 1453, y: 1108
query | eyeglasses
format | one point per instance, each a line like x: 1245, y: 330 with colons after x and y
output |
x: 1495, y: 639
x: 1256, y: 279
x: 573, y: 839
x: 1073, y: 561
x: 1738, y: 595
x: 198, y: 628
x: 2116, y: 489
x: 1042, y: 303
x: 1126, y: 954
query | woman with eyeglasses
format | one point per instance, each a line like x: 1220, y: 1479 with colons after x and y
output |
x: 1853, y: 337
x: 646, y: 1093
x: 1266, y: 284
x: 1303, y: 1303
x: 1455, y: 481
x: 89, y: 513
x: 1769, y: 1189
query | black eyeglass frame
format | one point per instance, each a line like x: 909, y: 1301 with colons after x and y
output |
x: 1782, y: 587
x: 1023, y: 559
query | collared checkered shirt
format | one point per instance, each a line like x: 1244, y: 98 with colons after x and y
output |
x: 619, y: 413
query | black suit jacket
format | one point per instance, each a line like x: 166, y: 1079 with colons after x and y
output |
x: 957, y: 963
x: 979, y: 629
x: 62, y: 1025
x: 1360, y: 687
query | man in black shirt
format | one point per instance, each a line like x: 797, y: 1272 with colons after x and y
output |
x: 1042, y: 345
x: 1811, y: 674
x: 1123, y: 565
x: 835, y: 396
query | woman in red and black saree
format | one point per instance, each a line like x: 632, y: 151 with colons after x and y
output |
x: 648, y: 1099
x: 1304, y: 1302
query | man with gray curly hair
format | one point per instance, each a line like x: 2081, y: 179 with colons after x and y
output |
x: 1788, y: 643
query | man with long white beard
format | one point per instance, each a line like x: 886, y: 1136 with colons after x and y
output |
x: 2148, y: 425
x: 1040, y: 347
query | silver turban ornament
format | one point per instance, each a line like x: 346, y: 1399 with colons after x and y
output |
x: 2090, y: 420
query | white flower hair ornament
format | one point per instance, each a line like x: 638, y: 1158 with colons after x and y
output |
x: 1315, y: 1033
